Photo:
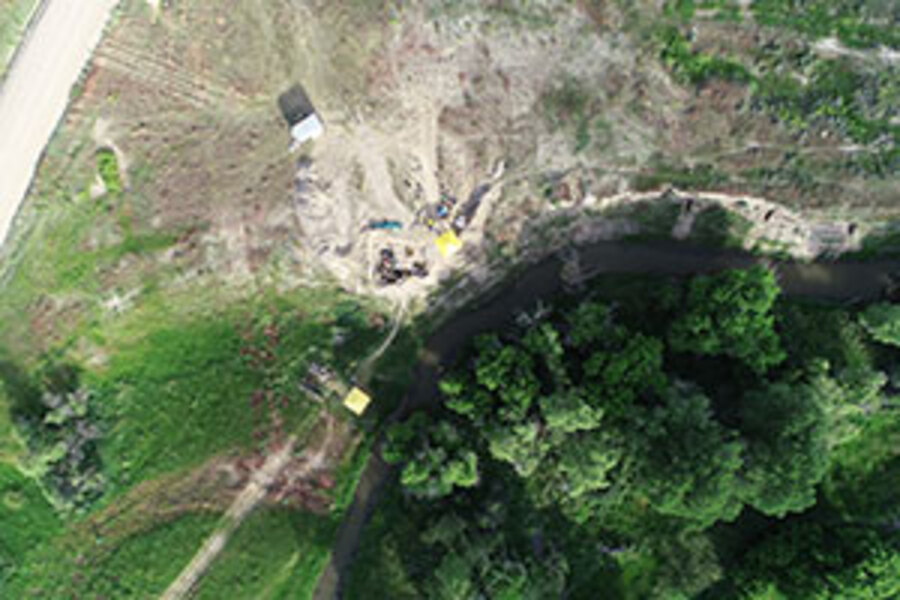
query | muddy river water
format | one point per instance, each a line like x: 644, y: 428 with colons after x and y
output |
x: 841, y: 281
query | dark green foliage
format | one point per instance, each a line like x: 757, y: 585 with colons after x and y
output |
x: 787, y: 431
x: 476, y: 559
x: 837, y: 92
x: 58, y: 418
x: 686, y: 565
x: 625, y: 372
x: 538, y: 402
x: 436, y: 457
x: 693, y: 67
x: 820, y: 555
x: 649, y: 443
x: 719, y: 227
x: 861, y: 24
x: 730, y: 314
x: 882, y: 321
x: 690, y: 465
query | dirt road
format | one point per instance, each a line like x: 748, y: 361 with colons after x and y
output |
x: 243, y: 505
x: 35, y: 94
x: 314, y: 459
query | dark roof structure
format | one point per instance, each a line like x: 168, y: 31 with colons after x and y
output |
x: 295, y: 105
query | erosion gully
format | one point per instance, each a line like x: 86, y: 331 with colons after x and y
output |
x: 836, y: 281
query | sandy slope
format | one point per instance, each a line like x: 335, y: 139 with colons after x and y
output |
x: 35, y: 93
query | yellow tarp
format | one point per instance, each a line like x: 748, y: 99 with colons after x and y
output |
x: 357, y: 401
x: 448, y: 244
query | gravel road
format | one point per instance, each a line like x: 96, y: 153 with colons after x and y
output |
x: 35, y: 93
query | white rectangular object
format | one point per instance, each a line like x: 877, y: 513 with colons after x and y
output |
x: 307, y: 129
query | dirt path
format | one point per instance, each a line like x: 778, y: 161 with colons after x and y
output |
x: 243, y: 505
x: 366, y: 368
x: 831, y: 47
x: 35, y: 93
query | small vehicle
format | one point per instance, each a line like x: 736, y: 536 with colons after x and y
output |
x: 384, y: 225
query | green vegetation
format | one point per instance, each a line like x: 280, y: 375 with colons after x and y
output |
x: 839, y: 93
x: 108, y: 167
x: 659, y: 439
x: 693, y: 67
x: 656, y: 219
x: 149, y: 414
x: 26, y: 519
x: 83, y: 566
x: 722, y: 10
x: 794, y: 83
x: 860, y: 24
x: 719, y: 227
x: 730, y: 315
x: 277, y: 553
x: 882, y: 321
x: 435, y: 455
x: 94, y: 434
x: 13, y: 18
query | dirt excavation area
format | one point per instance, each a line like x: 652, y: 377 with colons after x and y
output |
x: 459, y: 138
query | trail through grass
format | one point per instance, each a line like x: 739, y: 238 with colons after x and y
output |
x: 84, y: 566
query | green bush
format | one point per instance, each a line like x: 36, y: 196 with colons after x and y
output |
x: 108, y: 167
x: 689, y: 66
x: 856, y: 24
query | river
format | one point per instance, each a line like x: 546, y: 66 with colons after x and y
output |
x: 841, y: 281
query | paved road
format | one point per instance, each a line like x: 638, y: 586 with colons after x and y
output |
x: 35, y: 94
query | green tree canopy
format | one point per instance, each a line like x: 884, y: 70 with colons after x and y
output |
x: 882, y: 321
x: 476, y: 560
x: 786, y: 428
x: 437, y: 457
x: 730, y: 314
x: 689, y: 461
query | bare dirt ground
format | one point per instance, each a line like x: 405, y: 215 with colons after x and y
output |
x: 419, y: 100
x: 35, y: 93
x: 450, y: 103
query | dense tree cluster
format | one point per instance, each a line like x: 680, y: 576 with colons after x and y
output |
x: 57, y: 418
x: 653, y: 432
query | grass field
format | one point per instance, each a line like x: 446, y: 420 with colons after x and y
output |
x: 277, y: 553
x: 174, y: 396
x: 26, y: 518
x: 280, y: 553
x: 182, y: 393
x: 13, y: 18
x: 78, y: 565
